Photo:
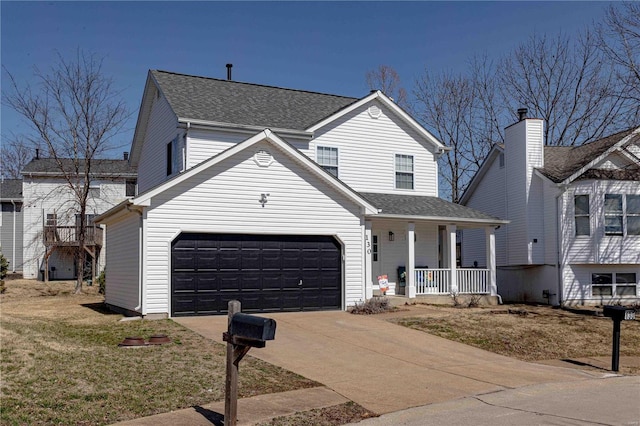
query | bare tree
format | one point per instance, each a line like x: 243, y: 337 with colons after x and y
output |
x: 16, y: 153
x: 387, y: 80
x: 75, y: 113
x: 619, y: 39
x: 567, y: 83
x: 460, y: 111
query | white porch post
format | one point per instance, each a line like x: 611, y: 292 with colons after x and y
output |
x: 368, y: 269
x: 451, y: 251
x: 410, y: 279
x: 490, y: 240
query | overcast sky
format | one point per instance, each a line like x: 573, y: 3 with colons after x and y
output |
x: 318, y: 46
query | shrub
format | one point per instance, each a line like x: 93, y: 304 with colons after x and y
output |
x: 102, y: 280
x: 375, y: 305
x: 4, y: 267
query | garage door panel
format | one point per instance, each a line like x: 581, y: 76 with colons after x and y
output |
x: 265, y: 273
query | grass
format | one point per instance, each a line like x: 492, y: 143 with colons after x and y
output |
x: 349, y: 412
x: 61, y: 363
x: 529, y: 333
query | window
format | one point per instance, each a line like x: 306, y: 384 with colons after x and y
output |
x: 404, y: 171
x: 581, y: 213
x: 374, y: 250
x: 622, y: 214
x: 94, y: 192
x: 52, y: 219
x: 633, y: 214
x: 613, y: 214
x: 328, y: 159
x: 614, y: 284
x: 130, y: 188
x: 501, y: 160
x: 174, y: 154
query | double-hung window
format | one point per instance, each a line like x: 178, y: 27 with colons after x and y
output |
x: 581, y: 213
x: 614, y: 284
x: 174, y: 156
x: 404, y: 171
x: 328, y: 159
x: 622, y: 214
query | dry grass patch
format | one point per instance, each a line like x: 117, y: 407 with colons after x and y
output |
x: 342, y: 414
x: 529, y: 333
x: 61, y: 363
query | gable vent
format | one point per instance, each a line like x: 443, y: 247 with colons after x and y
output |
x: 374, y: 111
x: 263, y: 158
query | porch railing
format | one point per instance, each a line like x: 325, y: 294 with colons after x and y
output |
x: 68, y: 235
x: 438, y: 281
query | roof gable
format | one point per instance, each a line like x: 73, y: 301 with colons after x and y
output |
x: 266, y: 135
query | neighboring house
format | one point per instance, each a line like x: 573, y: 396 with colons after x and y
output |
x: 11, y: 223
x: 283, y: 199
x: 574, y: 212
x: 51, y: 216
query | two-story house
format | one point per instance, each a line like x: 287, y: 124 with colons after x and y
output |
x: 574, y: 212
x: 50, y: 214
x: 284, y: 199
x: 11, y: 223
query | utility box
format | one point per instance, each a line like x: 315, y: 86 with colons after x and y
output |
x: 252, y: 327
x: 619, y: 313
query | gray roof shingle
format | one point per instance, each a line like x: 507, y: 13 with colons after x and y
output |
x: 11, y: 189
x: 105, y: 167
x: 223, y: 101
x: 560, y: 162
x: 414, y: 205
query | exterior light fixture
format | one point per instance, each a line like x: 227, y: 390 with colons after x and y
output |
x: 391, y: 236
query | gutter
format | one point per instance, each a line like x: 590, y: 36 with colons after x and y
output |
x: 241, y: 128
x: 456, y: 220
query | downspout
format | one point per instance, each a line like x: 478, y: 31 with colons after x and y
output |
x: 563, y: 189
x: 140, y: 257
x: 13, y: 254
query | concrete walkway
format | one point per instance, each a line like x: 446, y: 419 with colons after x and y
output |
x: 386, y: 367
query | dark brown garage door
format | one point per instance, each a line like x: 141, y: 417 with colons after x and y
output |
x: 266, y: 273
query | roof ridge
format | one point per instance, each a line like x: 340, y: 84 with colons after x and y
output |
x: 255, y: 84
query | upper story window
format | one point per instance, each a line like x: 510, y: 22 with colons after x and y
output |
x: 173, y: 156
x: 404, y: 171
x: 328, y: 158
x: 94, y: 191
x: 501, y: 160
x: 621, y: 214
x: 130, y: 188
x: 581, y: 213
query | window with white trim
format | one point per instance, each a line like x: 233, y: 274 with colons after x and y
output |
x: 622, y: 214
x: 614, y: 284
x: 404, y: 171
x: 174, y: 156
x: 581, y: 214
x: 328, y: 159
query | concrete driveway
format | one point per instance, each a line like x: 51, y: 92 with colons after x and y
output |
x: 385, y: 367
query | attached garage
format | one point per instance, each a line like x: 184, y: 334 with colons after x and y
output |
x: 266, y: 273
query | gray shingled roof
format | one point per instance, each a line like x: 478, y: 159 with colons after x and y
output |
x: 413, y: 205
x: 11, y: 189
x: 560, y: 162
x: 210, y: 99
x: 98, y: 166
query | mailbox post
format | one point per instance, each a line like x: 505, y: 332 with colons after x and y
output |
x: 617, y: 314
x: 243, y: 333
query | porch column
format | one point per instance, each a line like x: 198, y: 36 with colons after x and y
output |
x: 368, y: 268
x: 410, y: 279
x: 451, y: 254
x: 490, y: 241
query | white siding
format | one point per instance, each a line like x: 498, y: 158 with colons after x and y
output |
x: 161, y: 129
x: 11, y: 234
x: 488, y: 197
x: 598, y: 247
x: 527, y: 284
x: 224, y: 199
x: 122, y: 273
x: 204, y: 144
x: 49, y: 195
x: 367, y: 148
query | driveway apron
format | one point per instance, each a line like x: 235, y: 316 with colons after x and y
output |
x: 382, y: 366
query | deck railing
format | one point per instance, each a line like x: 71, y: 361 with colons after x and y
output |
x: 438, y: 281
x: 68, y: 235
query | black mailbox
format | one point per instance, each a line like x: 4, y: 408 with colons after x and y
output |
x: 252, y: 327
x: 619, y: 313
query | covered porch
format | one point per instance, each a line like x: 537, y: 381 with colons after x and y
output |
x: 417, y: 251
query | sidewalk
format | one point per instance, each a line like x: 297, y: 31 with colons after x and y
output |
x: 250, y: 410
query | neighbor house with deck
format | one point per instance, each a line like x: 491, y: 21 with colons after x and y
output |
x: 50, y: 214
x: 286, y: 200
x: 574, y: 212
